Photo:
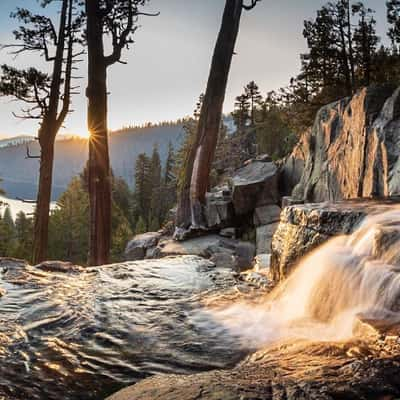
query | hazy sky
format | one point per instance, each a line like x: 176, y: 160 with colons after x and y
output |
x: 168, y: 65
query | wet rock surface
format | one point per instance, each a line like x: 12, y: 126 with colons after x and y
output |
x: 82, y: 335
x: 304, y: 227
x: 290, y: 371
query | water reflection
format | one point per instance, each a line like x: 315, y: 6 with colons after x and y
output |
x: 84, y: 335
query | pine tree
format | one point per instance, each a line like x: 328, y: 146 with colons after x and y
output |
x: 253, y: 94
x: 7, y: 234
x: 365, y: 41
x: 143, y: 189
x: 393, y: 18
x: 122, y: 198
x: 69, y: 224
x: 169, y: 175
x: 141, y: 226
x: 241, y: 112
x: 155, y: 214
x: 24, y: 236
x: 69, y: 227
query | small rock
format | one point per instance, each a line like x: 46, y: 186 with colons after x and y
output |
x: 262, y: 262
x: 265, y: 234
x: 266, y: 215
x: 290, y: 201
x: 245, y: 253
x: 58, y: 266
x: 137, y: 247
x: 228, y: 232
x: 219, y: 209
x: 255, y: 185
x: 223, y: 260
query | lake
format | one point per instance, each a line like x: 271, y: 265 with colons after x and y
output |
x: 17, y: 205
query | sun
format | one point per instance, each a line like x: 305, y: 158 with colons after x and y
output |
x: 78, y: 134
x: 84, y: 134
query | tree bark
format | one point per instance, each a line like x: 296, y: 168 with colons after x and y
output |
x: 99, y: 163
x: 47, y: 135
x: 350, y: 43
x: 43, y: 203
x: 196, y: 182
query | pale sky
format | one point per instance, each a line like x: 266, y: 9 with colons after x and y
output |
x: 169, y: 63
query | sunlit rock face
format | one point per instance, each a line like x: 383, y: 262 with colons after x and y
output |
x: 304, y: 227
x: 351, y: 151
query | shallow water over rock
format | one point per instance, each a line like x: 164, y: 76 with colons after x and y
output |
x: 83, y: 335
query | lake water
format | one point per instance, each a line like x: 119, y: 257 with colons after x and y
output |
x: 17, y: 205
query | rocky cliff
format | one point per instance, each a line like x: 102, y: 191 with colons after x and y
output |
x: 304, y: 227
x: 351, y: 151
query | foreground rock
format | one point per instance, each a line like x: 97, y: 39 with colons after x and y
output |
x: 302, y: 228
x: 289, y: 371
x: 141, y: 245
x: 352, y: 150
x: 223, y: 252
x: 255, y: 185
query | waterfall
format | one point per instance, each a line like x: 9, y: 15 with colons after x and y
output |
x: 350, y: 278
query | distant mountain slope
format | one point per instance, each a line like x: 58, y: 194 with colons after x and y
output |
x: 20, y: 175
x: 15, y: 140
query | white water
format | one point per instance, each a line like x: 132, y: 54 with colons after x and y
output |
x: 347, y: 277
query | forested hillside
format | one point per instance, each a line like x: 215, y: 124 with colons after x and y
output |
x: 20, y: 174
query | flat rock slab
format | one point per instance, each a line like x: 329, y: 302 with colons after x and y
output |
x: 223, y: 251
x: 197, y: 246
x: 288, y: 371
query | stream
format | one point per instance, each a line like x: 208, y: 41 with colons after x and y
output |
x: 83, y: 335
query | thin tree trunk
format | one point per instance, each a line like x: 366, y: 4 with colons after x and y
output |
x: 350, y: 44
x: 43, y: 203
x: 193, y: 192
x: 345, y: 60
x: 99, y: 163
x: 47, y: 134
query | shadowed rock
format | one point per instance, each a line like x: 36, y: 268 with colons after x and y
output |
x: 255, y: 185
x: 138, y: 246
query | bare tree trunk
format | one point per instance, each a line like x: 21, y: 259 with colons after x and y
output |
x: 350, y: 43
x: 193, y: 192
x: 99, y: 163
x: 345, y: 60
x: 47, y: 135
x: 43, y: 203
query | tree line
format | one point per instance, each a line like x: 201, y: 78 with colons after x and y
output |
x: 136, y: 211
x: 84, y: 27
x: 343, y: 55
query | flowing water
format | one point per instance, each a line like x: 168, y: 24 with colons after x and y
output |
x: 83, y: 335
x: 349, y: 279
